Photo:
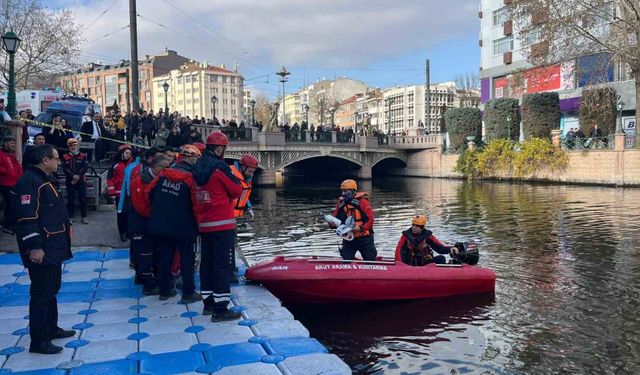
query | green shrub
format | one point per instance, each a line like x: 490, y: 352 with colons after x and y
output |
x: 598, y: 106
x: 540, y: 114
x: 461, y: 123
x: 496, y: 125
x: 466, y: 163
x: 500, y: 159
x: 496, y: 158
x: 538, y: 154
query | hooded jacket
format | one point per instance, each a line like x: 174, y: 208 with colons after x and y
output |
x: 217, y: 187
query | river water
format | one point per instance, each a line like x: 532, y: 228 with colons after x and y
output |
x: 567, y: 260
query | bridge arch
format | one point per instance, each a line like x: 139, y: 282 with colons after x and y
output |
x: 393, y: 158
x: 295, y: 160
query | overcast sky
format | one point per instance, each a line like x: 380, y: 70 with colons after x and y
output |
x: 382, y: 42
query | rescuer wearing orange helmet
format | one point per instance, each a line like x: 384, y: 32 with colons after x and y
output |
x: 216, y: 190
x: 416, y: 243
x: 356, y: 204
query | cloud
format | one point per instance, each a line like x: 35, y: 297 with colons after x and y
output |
x: 263, y: 34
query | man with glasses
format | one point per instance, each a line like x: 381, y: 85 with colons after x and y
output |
x: 75, y: 165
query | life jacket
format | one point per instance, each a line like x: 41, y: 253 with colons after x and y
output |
x: 353, y: 209
x: 240, y: 204
x: 417, y: 251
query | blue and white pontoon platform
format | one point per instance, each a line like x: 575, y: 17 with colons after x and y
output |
x: 120, y: 331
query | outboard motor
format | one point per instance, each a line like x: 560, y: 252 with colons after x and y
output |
x: 467, y: 253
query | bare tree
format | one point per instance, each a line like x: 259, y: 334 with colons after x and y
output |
x: 50, y: 41
x: 263, y: 109
x: 468, y: 89
x: 560, y: 30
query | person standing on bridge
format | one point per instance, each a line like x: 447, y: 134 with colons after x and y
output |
x: 217, y: 189
x: 356, y: 204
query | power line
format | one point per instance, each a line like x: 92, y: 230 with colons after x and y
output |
x: 99, y: 16
x: 106, y: 35
x: 218, y: 34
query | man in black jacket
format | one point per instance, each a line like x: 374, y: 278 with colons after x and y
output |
x: 75, y: 165
x: 173, y: 224
x: 148, y: 126
x: 44, y: 239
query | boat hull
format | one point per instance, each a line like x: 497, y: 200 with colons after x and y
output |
x: 309, y: 280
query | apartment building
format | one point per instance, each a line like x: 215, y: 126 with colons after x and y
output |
x: 505, y: 71
x: 193, y: 85
x: 109, y: 84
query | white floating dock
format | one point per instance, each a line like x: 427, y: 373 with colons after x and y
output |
x: 120, y: 331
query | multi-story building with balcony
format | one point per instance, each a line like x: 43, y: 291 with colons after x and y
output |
x: 193, y: 85
x: 109, y: 84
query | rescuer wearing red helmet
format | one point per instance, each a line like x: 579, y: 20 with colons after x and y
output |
x: 243, y: 170
x: 216, y: 190
x: 356, y: 204
x: 415, y: 245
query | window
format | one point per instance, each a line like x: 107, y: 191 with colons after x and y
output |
x: 188, y: 91
x: 180, y: 80
x: 97, y: 80
x: 502, y: 45
x: 500, y: 16
x: 90, y: 81
x: 195, y: 78
x: 531, y: 37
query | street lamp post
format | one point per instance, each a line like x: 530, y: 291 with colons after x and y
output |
x: 509, y: 127
x: 283, y: 78
x: 253, y: 112
x: 333, y: 112
x: 321, y: 113
x: 10, y: 43
x: 305, y: 108
x: 214, y: 100
x: 620, y: 106
x: 165, y: 86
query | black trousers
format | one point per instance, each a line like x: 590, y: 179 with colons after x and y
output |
x: 167, y: 247
x: 363, y: 244
x: 43, y: 305
x: 142, y: 250
x: 123, y: 218
x: 9, y: 220
x: 215, y: 267
x: 79, y: 189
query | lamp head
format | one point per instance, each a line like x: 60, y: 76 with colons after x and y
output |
x: 10, y: 42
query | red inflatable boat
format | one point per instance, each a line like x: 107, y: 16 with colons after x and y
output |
x: 331, y: 280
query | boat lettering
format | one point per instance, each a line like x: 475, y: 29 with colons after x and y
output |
x: 279, y: 268
x: 373, y: 267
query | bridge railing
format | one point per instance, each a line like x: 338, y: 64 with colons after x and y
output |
x: 234, y: 134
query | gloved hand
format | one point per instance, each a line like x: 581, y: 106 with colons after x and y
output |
x: 250, y: 212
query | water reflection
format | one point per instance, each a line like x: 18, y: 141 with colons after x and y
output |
x: 566, y: 257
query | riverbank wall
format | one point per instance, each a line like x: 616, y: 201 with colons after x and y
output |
x: 593, y: 167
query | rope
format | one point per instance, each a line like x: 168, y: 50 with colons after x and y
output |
x: 44, y: 124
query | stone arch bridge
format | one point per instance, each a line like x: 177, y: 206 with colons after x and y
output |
x: 278, y: 150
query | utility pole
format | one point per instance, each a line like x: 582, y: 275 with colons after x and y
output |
x: 133, y: 32
x: 427, y: 88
